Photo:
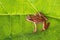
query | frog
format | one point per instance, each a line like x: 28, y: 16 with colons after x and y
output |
x: 37, y: 18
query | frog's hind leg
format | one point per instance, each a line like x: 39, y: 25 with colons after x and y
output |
x: 45, y: 25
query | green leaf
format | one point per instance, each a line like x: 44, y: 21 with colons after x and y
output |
x: 13, y: 27
x: 11, y: 6
x: 5, y: 28
x: 13, y: 23
x: 24, y: 7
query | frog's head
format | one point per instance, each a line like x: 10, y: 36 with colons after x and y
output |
x: 29, y: 17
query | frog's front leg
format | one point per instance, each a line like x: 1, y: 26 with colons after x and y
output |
x: 45, y: 25
x: 35, y: 27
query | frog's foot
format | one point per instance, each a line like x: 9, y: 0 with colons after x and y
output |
x: 43, y: 29
x: 35, y: 30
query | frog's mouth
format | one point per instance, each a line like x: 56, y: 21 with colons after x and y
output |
x: 29, y: 20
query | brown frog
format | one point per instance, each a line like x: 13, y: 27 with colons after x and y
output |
x: 38, y: 18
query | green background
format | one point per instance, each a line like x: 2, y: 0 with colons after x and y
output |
x: 13, y: 23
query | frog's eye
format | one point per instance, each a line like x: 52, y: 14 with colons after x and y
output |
x: 30, y: 19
